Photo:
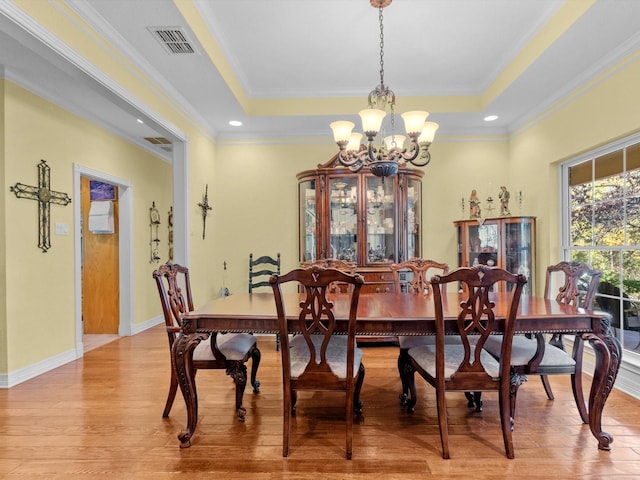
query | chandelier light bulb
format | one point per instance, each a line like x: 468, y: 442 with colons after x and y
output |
x: 428, y: 132
x: 414, y: 122
x: 371, y: 121
x: 342, y: 131
x: 354, y: 142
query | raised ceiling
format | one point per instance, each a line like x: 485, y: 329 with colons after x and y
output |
x: 287, y: 68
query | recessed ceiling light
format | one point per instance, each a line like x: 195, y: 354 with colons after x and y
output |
x: 235, y: 123
x: 490, y: 118
x: 139, y: 120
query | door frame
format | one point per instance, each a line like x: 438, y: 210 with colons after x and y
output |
x: 125, y: 249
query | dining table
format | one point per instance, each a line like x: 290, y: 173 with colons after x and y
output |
x: 394, y: 314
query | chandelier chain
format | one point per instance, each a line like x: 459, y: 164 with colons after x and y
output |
x: 381, y: 47
x: 385, y: 160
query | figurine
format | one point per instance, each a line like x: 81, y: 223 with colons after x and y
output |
x: 474, y: 205
x: 504, y: 201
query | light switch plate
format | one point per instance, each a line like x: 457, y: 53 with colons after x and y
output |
x: 61, y: 229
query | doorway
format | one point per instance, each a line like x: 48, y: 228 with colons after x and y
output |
x: 99, y: 234
x: 102, y: 291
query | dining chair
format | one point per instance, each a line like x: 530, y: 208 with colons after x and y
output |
x: 218, y: 351
x: 342, y: 265
x: 413, y: 276
x: 260, y: 270
x: 575, y: 283
x: 318, y: 358
x: 466, y: 366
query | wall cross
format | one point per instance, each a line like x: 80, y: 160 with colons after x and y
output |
x: 45, y: 197
x: 204, y: 205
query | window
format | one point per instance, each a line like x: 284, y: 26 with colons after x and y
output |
x: 601, y: 226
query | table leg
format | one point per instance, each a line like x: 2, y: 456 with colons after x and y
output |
x: 182, y: 359
x: 608, y: 353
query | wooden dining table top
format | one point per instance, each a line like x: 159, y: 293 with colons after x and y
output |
x: 385, y: 313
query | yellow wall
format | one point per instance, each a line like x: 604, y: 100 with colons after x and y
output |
x: 40, y: 286
x: 256, y: 199
x: 256, y: 205
x: 3, y: 250
x: 601, y: 112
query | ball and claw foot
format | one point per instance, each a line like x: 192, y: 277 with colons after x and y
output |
x: 242, y: 413
x: 256, y: 387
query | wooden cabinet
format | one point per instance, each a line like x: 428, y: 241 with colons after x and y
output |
x: 360, y: 218
x: 506, y: 242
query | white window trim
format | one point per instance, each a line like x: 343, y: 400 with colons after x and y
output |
x: 628, y: 379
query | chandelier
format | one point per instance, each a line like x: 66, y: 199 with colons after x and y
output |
x: 384, y: 160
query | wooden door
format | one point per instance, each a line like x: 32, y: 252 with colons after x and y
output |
x: 100, y: 272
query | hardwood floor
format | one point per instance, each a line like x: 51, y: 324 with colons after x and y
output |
x: 91, y: 341
x: 101, y: 417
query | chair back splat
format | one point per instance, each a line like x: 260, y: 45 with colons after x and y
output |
x: 418, y: 274
x: 465, y: 366
x: 218, y: 351
x: 261, y: 269
x: 319, y: 357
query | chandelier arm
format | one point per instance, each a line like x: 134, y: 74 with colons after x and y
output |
x: 405, y: 154
x: 423, y: 159
x: 353, y: 160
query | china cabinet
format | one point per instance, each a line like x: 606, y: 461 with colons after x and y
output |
x: 361, y: 218
x: 506, y: 242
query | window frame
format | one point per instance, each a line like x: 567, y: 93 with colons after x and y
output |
x: 567, y: 250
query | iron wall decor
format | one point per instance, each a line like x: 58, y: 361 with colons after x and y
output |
x: 45, y: 197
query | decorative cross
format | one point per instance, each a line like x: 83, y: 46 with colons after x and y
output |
x: 45, y: 197
x: 204, y: 205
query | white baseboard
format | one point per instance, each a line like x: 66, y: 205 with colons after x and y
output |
x: 11, y: 379
x: 141, y: 327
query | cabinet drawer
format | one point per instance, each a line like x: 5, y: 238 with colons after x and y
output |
x: 377, y: 281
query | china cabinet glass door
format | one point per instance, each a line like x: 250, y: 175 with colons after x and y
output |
x: 518, y: 241
x: 343, y: 218
x: 414, y: 216
x: 308, y: 221
x: 483, y: 244
x: 381, y: 221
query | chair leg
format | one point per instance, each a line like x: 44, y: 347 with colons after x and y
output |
x: 277, y: 342
x: 504, y: 398
x: 357, y: 403
x: 293, y: 401
x: 237, y: 370
x: 255, y: 363
x: 474, y: 400
x: 350, y: 404
x: 547, y: 387
x: 409, y: 379
x: 173, y: 388
x: 403, y: 361
x: 442, y: 421
x: 287, y: 408
x: 516, y: 380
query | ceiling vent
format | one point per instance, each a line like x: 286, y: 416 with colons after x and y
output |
x: 160, y: 142
x: 174, y: 40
